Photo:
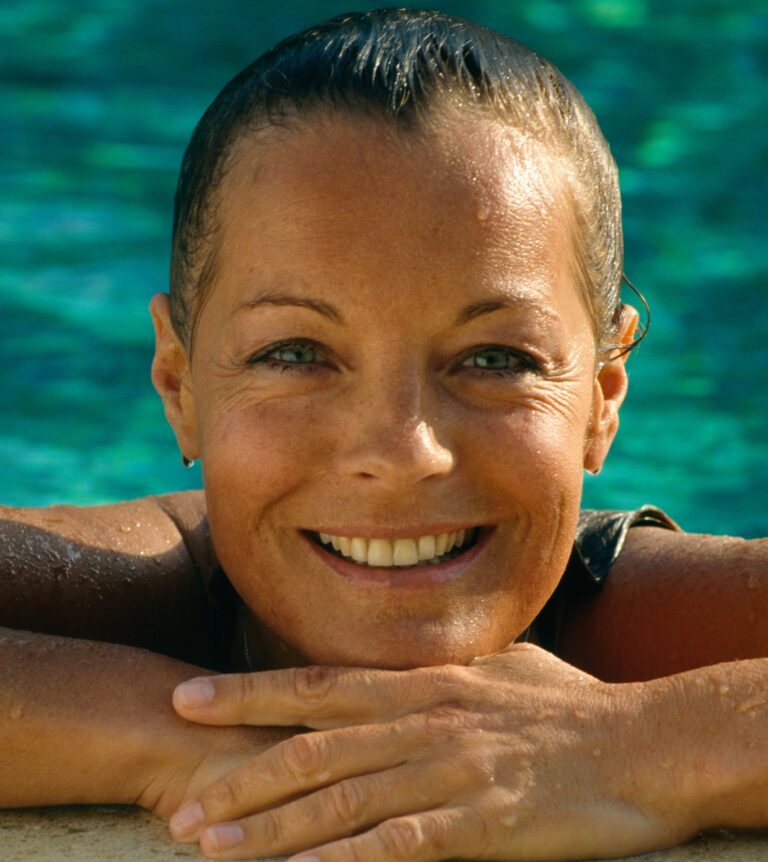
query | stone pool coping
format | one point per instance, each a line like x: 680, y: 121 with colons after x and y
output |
x: 124, y: 834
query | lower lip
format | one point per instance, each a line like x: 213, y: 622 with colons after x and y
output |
x: 402, y: 577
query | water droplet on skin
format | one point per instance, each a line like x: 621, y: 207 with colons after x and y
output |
x: 16, y: 712
x: 751, y: 705
x: 125, y: 529
x: 544, y: 714
x: 597, y: 752
x: 483, y: 211
x: 724, y: 689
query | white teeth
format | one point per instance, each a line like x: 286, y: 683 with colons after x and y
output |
x: 427, y: 547
x: 380, y: 552
x: 359, y: 550
x: 397, y: 552
x: 406, y: 552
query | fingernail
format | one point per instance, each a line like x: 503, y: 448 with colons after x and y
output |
x: 303, y: 859
x: 224, y: 836
x: 195, y: 693
x: 186, y: 819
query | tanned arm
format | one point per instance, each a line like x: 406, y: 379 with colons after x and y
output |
x: 85, y: 716
x: 673, y: 602
x: 130, y: 573
x: 88, y: 722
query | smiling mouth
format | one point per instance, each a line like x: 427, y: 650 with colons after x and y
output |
x: 427, y: 550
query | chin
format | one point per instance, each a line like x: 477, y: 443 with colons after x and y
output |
x: 400, y: 651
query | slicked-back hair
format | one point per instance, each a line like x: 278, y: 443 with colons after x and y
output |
x: 399, y: 65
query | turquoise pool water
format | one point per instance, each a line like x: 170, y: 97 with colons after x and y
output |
x: 99, y: 98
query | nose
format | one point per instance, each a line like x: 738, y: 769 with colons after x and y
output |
x: 395, y: 437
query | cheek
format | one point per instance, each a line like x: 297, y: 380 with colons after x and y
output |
x: 256, y: 460
x: 534, y: 470
x: 538, y: 447
x: 268, y: 445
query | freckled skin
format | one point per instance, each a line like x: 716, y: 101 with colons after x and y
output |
x: 392, y: 425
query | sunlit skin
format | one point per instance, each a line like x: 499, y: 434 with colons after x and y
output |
x: 394, y: 345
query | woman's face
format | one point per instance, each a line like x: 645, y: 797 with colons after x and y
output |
x: 394, y: 355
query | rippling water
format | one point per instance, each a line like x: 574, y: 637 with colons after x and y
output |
x: 98, y: 101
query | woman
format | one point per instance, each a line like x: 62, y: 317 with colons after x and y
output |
x: 395, y: 340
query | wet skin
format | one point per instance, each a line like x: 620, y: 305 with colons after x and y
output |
x: 394, y: 345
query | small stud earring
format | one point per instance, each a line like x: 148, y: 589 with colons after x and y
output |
x: 187, y: 462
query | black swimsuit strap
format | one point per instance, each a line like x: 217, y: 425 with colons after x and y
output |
x: 601, y: 533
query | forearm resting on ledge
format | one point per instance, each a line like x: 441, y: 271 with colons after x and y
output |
x: 88, y: 722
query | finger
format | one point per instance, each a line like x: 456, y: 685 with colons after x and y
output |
x: 338, y: 811
x: 316, y: 696
x: 310, y: 761
x: 432, y: 836
x: 305, y: 762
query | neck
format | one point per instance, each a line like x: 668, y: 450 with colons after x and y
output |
x: 261, y: 648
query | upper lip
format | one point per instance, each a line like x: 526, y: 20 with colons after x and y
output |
x: 379, y: 532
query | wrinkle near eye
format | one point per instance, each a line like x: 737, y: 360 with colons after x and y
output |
x: 563, y: 400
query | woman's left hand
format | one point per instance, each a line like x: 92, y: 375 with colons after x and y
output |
x: 518, y: 756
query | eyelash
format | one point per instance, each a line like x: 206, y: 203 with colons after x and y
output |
x: 264, y: 357
x: 523, y: 362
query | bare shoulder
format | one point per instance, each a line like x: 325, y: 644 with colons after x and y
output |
x: 673, y: 601
x: 130, y: 572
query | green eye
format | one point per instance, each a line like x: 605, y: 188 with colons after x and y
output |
x: 500, y: 361
x: 290, y: 356
x: 492, y: 358
x: 294, y: 354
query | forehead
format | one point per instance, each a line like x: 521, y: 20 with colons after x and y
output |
x: 478, y: 162
x: 357, y: 200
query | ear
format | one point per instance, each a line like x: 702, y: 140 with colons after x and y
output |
x: 171, y: 377
x: 610, y: 389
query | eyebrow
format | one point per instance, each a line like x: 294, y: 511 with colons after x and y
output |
x: 326, y: 309
x: 287, y: 299
x: 478, y: 309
